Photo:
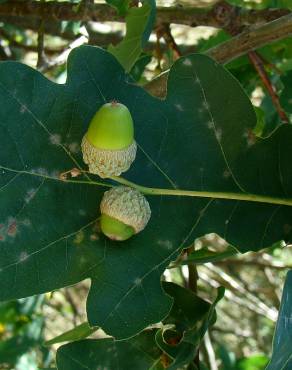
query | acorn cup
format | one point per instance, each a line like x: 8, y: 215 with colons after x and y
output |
x: 124, y: 212
x: 109, y: 147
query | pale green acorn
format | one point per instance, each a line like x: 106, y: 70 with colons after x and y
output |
x: 109, y: 147
x: 124, y: 212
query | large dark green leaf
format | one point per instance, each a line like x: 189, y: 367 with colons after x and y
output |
x: 138, y: 353
x: 198, y: 138
x: 282, y: 343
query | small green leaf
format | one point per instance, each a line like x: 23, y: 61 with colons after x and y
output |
x: 79, y: 332
x: 130, y: 48
x: 282, y: 342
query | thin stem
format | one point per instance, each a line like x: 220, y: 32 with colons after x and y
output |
x: 165, y: 32
x: 260, y: 68
x: 171, y: 192
x: 193, y: 286
x: 193, y: 273
x: 206, y: 194
x: 40, y: 46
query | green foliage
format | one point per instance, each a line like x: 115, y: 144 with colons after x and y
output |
x: 282, y: 343
x: 139, y: 23
x: 21, y: 330
x: 42, y: 252
x: 178, y: 339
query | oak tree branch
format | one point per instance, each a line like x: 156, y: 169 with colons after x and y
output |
x: 250, y: 39
x: 191, y: 16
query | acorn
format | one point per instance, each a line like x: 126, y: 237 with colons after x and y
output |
x: 109, y: 147
x: 124, y: 212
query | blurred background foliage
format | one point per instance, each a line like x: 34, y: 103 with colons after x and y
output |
x: 242, y: 336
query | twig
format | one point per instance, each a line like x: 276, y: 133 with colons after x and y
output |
x: 165, y: 32
x: 210, y: 352
x: 73, y: 305
x: 55, y: 28
x: 33, y: 48
x: 41, y: 61
x: 193, y: 286
x: 235, y: 286
x: 62, y: 58
x: 254, y: 263
x: 158, y: 51
x: 235, y: 332
x: 193, y: 274
x: 260, y: 68
x: 5, y: 53
x: 40, y: 47
x: 271, y: 314
x: 251, y: 39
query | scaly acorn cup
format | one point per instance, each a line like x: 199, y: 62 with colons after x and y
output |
x: 124, y: 212
x: 109, y: 147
